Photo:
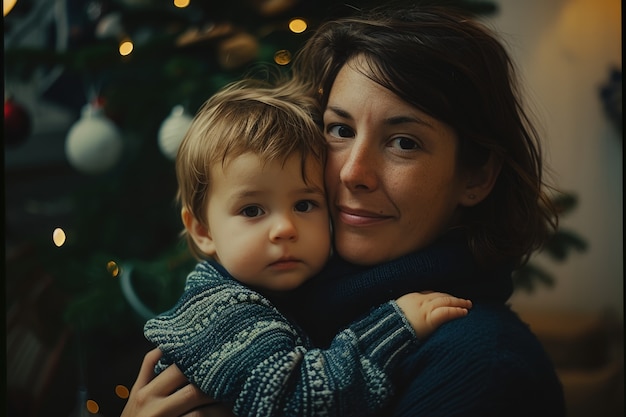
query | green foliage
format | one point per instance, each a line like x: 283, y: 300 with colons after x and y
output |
x: 559, y: 248
x: 127, y: 215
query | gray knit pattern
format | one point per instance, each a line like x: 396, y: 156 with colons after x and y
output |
x: 237, y: 347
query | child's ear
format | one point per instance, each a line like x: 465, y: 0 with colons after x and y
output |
x: 198, y: 232
x: 481, y: 181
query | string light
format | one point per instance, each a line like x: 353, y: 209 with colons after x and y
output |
x: 297, y: 25
x: 181, y: 3
x: 113, y: 269
x: 282, y: 57
x: 92, y: 406
x: 122, y: 392
x: 58, y: 237
x: 7, y: 5
x: 126, y: 47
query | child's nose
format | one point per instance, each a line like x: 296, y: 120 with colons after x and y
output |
x: 284, y: 228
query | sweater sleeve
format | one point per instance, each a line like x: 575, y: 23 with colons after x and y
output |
x: 350, y: 378
x: 488, y: 364
x: 236, y: 347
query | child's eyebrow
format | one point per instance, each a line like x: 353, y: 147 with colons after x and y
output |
x: 244, y: 195
x: 310, y: 190
x: 248, y: 193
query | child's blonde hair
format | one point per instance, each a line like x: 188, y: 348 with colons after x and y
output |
x: 273, y: 122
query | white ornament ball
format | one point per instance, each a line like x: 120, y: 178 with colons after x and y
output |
x: 173, y: 130
x: 110, y: 26
x: 93, y: 144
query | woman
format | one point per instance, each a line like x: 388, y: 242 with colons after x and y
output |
x: 434, y: 177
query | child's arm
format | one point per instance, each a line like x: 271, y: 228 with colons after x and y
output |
x: 236, y: 347
x: 232, y: 344
x: 352, y: 376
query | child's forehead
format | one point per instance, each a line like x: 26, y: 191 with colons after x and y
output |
x: 264, y: 161
x: 250, y: 171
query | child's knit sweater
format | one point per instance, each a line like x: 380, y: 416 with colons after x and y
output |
x: 232, y: 343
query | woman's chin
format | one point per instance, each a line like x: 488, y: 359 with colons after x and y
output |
x: 366, y: 253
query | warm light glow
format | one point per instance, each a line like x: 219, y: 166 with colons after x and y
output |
x: 92, y: 406
x: 297, y: 25
x: 122, y: 392
x: 126, y: 47
x: 113, y: 269
x: 58, y: 237
x: 282, y: 57
x: 7, y: 5
x: 181, y: 3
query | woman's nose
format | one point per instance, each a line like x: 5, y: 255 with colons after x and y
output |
x: 283, y: 228
x: 358, y: 171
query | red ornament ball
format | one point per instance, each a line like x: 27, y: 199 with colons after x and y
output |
x: 17, y: 123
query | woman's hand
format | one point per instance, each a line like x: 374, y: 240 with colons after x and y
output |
x: 169, y: 394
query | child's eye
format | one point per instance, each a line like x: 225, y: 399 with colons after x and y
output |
x: 305, y: 206
x: 252, y: 211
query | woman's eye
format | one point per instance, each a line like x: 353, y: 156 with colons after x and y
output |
x: 252, y: 211
x: 405, y: 144
x: 305, y: 206
x: 340, y: 131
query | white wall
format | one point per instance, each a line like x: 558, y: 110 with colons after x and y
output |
x: 564, y: 50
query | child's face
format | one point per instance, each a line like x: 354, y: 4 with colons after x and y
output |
x: 268, y: 227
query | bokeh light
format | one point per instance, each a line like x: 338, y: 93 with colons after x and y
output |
x: 92, y: 406
x: 282, y: 57
x: 126, y: 47
x: 297, y: 25
x: 181, y: 3
x: 7, y: 5
x: 113, y: 269
x: 58, y: 237
x: 121, y: 391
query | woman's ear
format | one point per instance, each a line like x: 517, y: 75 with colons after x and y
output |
x: 198, y: 232
x: 481, y: 181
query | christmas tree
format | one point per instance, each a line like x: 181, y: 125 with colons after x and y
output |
x: 133, y: 72
x: 139, y: 104
x: 105, y: 252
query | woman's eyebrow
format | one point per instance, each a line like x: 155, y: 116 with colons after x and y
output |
x: 339, y: 112
x: 392, y: 121
x: 397, y: 120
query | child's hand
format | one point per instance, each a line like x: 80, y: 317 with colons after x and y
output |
x: 427, y: 311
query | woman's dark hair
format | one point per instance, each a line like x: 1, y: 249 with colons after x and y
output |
x: 453, y: 68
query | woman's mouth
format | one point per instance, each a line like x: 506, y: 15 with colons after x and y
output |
x: 358, y: 217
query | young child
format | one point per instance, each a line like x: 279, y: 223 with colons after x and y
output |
x: 250, y: 173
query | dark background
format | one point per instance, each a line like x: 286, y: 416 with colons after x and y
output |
x: 71, y: 332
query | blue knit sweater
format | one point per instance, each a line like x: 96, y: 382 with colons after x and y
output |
x: 230, y: 341
x: 489, y: 364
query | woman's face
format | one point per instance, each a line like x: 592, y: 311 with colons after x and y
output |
x: 392, y: 179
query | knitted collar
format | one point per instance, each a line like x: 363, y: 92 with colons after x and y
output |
x: 343, y: 292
